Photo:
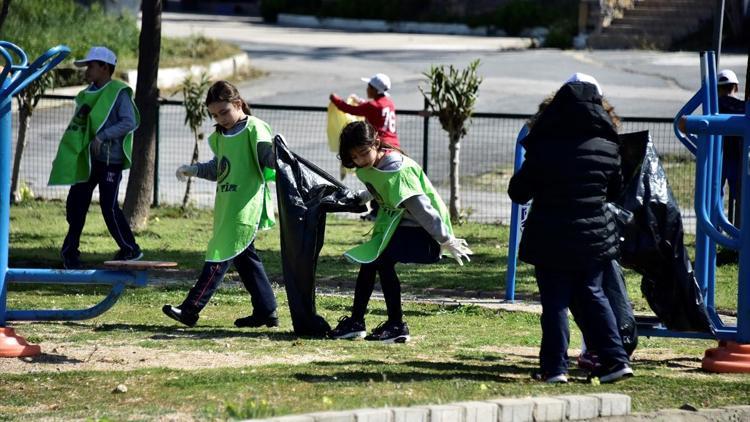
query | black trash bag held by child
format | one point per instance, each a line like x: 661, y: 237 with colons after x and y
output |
x: 305, y: 194
x: 653, y: 243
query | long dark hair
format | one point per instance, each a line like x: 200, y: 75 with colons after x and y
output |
x: 359, y: 134
x: 222, y: 91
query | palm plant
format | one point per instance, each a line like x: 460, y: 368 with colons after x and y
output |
x: 196, y: 111
x: 451, y: 96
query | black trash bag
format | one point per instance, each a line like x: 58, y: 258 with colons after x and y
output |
x: 652, y: 244
x: 305, y: 194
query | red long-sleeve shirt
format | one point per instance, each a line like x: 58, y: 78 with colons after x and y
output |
x: 379, y: 112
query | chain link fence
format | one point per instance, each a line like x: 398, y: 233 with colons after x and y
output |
x: 486, y: 155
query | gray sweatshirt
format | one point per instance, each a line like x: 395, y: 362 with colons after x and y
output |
x: 208, y: 170
x: 120, y: 122
x: 419, y: 209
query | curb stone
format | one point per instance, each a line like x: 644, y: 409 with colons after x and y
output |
x: 529, y: 409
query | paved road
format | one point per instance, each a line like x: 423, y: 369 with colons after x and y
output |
x: 305, y: 65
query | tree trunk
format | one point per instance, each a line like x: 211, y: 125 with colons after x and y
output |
x: 141, y: 182
x: 24, y: 118
x: 4, y: 12
x: 455, y: 203
x: 193, y: 160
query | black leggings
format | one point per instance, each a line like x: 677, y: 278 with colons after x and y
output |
x: 408, y: 245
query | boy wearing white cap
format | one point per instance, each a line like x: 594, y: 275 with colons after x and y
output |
x: 95, y: 148
x: 379, y: 111
x: 729, y: 103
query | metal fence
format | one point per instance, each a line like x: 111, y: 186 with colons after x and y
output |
x: 486, y: 152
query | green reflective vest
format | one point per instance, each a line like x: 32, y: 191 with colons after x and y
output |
x: 391, y: 189
x: 243, y: 201
x: 72, y: 163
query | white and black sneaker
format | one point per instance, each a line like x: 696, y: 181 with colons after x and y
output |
x: 561, y: 378
x: 390, y: 332
x: 348, y: 328
x: 612, y: 373
x: 128, y: 255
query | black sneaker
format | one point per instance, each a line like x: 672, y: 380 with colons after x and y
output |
x: 257, y: 321
x: 348, y: 328
x: 550, y: 379
x: 390, y: 332
x: 179, y: 315
x: 128, y: 255
x: 72, y: 263
x: 612, y: 373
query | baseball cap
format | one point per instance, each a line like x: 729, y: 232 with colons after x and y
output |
x: 582, y: 77
x: 726, y: 77
x: 102, y: 54
x: 380, y: 81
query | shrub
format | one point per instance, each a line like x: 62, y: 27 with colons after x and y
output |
x: 38, y: 25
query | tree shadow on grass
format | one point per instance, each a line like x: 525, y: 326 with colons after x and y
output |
x: 202, y: 333
x: 417, y: 371
x: 52, y: 359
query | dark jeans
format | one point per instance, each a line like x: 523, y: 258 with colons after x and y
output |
x: 252, y: 274
x: 108, y: 177
x: 408, y: 245
x: 592, y: 313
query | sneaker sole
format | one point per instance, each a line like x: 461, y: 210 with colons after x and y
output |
x: 397, y: 340
x: 352, y: 335
x: 622, y: 373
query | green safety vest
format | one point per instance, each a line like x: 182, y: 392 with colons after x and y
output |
x: 243, y: 201
x: 391, y: 189
x: 72, y: 163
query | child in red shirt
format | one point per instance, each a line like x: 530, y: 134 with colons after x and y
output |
x: 379, y: 111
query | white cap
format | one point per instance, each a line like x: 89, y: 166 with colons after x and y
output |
x: 98, y: 53
x: 380, y: 81
x: 582, y: 77
x: 726, y: 77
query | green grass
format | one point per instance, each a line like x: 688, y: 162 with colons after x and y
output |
x: 216, y: 371
x: 38, y: 228
x: 38, y: 25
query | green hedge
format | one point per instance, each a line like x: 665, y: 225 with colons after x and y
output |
x: 560, y: 16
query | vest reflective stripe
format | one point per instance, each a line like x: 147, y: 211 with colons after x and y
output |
x: 243, y: 201
x: 72, y: 163
x: 391, y: 189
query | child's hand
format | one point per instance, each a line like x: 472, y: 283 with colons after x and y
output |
x: 184, y: 171
x: 457, y: 248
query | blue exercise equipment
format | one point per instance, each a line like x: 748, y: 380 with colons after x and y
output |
x: 14, y: 77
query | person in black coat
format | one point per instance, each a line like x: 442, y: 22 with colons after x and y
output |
x: 571, y: 170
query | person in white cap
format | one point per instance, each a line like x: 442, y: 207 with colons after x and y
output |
x: 379, y: 111
x: 729, y: 103
x: 571, y: 170
x: 95, y: 148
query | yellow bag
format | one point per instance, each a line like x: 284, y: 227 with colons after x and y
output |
x: 337, y: 119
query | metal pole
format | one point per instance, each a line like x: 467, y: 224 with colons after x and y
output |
x: 5, y: 139
x: 155, y: 202
x: 425, y: 136
x: 718, y: 29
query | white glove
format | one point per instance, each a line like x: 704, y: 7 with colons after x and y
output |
x: 364, y: 197
x: 184, y: 171
x: 457, y: 248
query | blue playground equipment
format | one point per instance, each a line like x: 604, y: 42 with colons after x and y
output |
x: 14, y: 77
x: 704, y: 139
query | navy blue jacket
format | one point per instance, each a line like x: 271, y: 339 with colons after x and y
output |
x: 571, y: 170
